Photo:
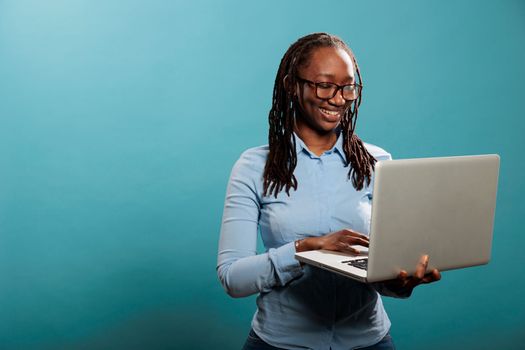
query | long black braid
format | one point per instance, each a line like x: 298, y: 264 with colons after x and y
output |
x: 282, y: 159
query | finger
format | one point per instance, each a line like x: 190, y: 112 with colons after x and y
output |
x: 403, y: 275
x: 346, y: 248
x: 403, y: 278
x: 433, y: 276
x: 353, y: 233
x: 355, y: 241
x: 421, y: 267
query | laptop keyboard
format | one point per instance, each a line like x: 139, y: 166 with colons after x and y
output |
x: 359, y: 263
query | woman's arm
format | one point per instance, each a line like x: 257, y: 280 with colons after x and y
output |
x: 241, y: 271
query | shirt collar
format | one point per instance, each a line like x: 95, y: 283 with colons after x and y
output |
x: 300, y: 146
x: 338, y: 147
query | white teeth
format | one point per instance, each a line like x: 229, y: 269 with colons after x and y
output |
x: 329, y: 112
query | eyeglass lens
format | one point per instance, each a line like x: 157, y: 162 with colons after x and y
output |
x: 327, y: 91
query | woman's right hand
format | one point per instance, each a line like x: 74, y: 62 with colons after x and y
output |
x: 340, y: 241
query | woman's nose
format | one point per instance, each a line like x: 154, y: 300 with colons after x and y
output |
x: 338, y: 99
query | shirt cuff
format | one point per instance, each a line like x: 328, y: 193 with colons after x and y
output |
x: 286, y: 266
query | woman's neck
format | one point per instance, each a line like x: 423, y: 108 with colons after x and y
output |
x: 316, y: 142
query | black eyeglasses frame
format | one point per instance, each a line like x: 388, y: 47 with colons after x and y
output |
x: 339, y: 87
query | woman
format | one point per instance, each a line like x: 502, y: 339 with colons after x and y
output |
x: 310, y: 188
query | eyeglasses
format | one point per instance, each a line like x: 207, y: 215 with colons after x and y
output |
x: 326, y: 90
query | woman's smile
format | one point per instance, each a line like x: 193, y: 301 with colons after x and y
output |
x: 331, y: 115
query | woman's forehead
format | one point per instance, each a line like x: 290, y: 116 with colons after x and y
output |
x: 329, y: 62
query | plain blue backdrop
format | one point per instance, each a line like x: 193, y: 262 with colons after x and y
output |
x: 120, y: 122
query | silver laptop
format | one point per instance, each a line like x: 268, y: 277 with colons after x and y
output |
x: 443, y: 207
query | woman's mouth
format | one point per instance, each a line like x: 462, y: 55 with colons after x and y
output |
x: 330, y: 115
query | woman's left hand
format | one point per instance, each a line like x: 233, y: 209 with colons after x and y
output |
x: 404, y: 284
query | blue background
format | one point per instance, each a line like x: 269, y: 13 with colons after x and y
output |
x: 120, y: 121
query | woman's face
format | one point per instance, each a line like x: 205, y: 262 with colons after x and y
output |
x: 326, y: 64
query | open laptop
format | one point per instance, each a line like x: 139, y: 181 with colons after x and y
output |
x: 443, y: 207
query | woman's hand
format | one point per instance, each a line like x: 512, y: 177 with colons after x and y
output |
x: 404, y: 284
x: 340, y: 241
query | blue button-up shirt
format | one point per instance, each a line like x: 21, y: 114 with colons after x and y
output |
x: 299, y: 307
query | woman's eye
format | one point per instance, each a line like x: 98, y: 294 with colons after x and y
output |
x: 324, y: 85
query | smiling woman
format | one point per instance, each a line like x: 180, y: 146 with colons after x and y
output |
x: 310, y: 188
x: 329, y: 59
x: 321, y: 105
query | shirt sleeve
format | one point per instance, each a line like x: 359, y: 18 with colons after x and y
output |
x: 241, y: 271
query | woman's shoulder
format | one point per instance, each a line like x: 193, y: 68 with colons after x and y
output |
x: 378, y: 152
x: 252, y: 159
x: 255, y: 154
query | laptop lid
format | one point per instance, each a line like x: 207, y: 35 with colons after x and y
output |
x: 443, y: 207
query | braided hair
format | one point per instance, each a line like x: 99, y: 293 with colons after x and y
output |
x: 282, y: 158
